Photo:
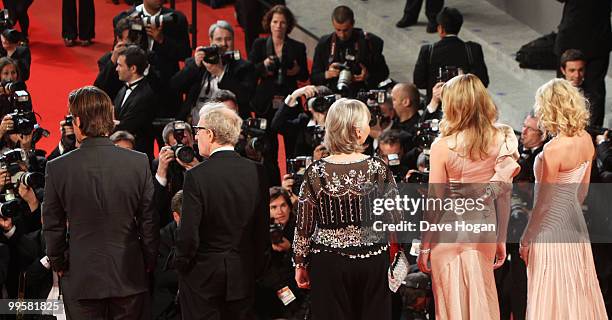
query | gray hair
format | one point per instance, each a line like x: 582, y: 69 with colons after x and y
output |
x: 222, y: 121
x: 122, y: 136
x: 220, y: 24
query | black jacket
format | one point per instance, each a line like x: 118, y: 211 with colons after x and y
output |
x: 370, y: 53
x: 293, y: 52
x: 136, y: 115
x: 238, y: 78
x: 106, y: 194
x: 585, y: 25
x: 223, y: 240
x: 449, y: 51
x: 294, y: 121
x: 24, y: 60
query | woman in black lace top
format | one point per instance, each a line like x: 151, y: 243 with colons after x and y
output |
x: 336, y: 251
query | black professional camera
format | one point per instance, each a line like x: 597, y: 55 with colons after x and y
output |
x: 138, y: 22
x: 316, y: 135
x: 296, y: 168
x: 5, y: 20
x: 23, y: 122
x: 34, y: 180
x: 276, y: 233
x: 427, y: 132
x: 277, y: 68
x: 448, y: 72
x: 322, y: 104
x: 11, y: 160
x: 373, y: 99
x: 345, y: 78
x: 418, y: 177
x: 252, y: 142
x: 213, y: 54
x: 181, y: 151
x: 11, y: 87
x: 68, y: 120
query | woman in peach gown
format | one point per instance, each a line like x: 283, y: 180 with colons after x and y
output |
x: 562, y: 283
x: 474, y: 156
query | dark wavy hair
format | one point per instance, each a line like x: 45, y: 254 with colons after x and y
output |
x: 280, y: 9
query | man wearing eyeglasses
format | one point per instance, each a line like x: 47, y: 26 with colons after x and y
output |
x: 223, y: 240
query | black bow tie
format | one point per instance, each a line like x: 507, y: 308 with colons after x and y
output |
x: 132, y: 86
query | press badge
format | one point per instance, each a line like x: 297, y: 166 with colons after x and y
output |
x: 285, y: 295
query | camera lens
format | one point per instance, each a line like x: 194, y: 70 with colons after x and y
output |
x: 185, y: 153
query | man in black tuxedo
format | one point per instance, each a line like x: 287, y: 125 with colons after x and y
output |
x: 136, y: 102
x: 200, y: 80
x: 101, y: 231
x: 450, y: 51
x: 107, y: 78
x: 223, y: 240
x: 585, y: 25
x: 359, y: 50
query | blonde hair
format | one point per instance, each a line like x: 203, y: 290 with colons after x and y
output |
x: 561, y: 108
x: 468, y: 109
x: 224, y: 123
x: 343, y: 117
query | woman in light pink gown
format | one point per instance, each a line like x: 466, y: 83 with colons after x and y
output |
x: 562, y: 283
x: 472, y: 156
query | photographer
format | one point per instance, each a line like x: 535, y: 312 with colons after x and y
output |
x: 437, y: 60
x: 123, y: 139
x: 391, y: 150
x: 308, y: 128
x: 13, y: 91
x: 213, y: 68
x: 349, y: 59
x: 269, y: 304
x: 12, y: 49
x: 67, y: 141
x: 175, y: 157
x: 604, y: 157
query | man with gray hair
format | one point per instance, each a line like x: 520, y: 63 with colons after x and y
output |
x: 223, y: 240
x: 208, y: 72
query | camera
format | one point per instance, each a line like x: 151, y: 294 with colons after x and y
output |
x: 277, y: 67
x: 276, y: 233
x: 137, y: 34
x: 34, y: 180
x: 158, y: 20
x: 11, y: 87
x: 427, y: 132
x: 10, y: 160
x: 448, y: 72
x: 181, y: 151
x: 315, y: 135
x: 322, y: 104
x: 418, y: 177
x: 5, y: 20
x: 296, y: 168
x: 252, y: 142
x: 345, y: 78
x: 213, y: 54
x: 373, y: 97
x: 24, y: 122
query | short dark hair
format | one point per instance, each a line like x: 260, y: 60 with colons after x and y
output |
x: 177, y: 202
x: 280, y: 9
x: 277, y: 192
x: 11, y: 35
x: 450, y: 19
x: 571, y: 55
x: 5, y: 61
x: 94, y: 109
x: 135, y: 56
x: 391, y: 136
x: 122, y: 135
x: 343, y: 14
x: 223, y: 95
x: 122, y: 25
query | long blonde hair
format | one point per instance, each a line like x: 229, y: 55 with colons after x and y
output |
x: 469, y: 111
x: 561, y: 108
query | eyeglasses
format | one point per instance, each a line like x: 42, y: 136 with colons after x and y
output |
x: 197, y: 129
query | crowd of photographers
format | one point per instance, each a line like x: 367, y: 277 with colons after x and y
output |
x: 156, y: 100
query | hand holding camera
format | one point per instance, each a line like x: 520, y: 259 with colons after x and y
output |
x: 166, y: 155
x: 306, y: 91
x: 436, y: 95
x: 155, y: 32
x: 362, y: 76
x: 119, y: 46
x: 333, y: 71
x: 598, y: 139
x: 6, y: 125
x: 27, y: 194
x: 6, y: 224
x: 198, y: 56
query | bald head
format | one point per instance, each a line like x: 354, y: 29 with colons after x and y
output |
x: 405, y: 95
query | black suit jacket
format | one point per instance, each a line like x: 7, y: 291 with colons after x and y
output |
x: 293, y: 52
x: 224, y: 228
x: 585, y: 25
x: 24, y: 60
x: 370, y: 54
x: 238, y: 78
x: 106, y: 194
x: 449, y: 51
x: 136, y: 115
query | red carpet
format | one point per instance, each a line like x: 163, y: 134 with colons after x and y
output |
x: 56, y: 70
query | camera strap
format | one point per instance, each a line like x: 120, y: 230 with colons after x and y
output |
x: 332, y: 48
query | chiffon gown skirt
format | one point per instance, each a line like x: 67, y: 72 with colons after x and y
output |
x: 562, y: 283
